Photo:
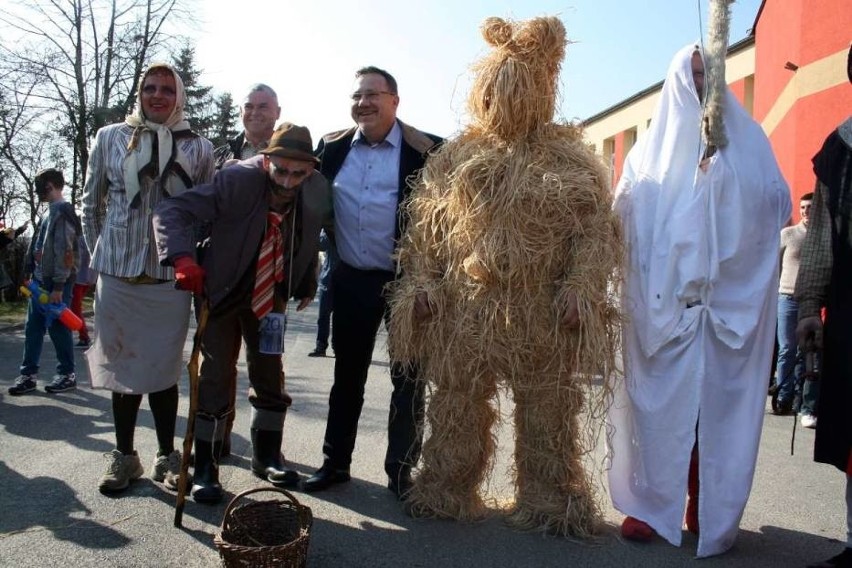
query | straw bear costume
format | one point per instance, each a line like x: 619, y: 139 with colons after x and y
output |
x: 511, y: 228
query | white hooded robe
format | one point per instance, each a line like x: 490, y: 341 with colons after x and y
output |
x: 700, y: 295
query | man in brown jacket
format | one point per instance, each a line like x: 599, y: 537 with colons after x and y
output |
x: 275, y: 199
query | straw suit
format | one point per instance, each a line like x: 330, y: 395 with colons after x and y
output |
x: 510, y: 245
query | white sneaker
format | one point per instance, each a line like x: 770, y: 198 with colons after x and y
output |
x: 120, y: 472
x: 808, y: 421
x: 62, y: 383
x: 167, y: 470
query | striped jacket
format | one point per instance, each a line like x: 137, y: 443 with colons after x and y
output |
x: 120, y: 237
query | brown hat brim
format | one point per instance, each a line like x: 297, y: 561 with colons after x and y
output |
x: 290, y: 153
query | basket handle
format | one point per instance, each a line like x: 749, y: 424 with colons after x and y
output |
x: 239, y: 496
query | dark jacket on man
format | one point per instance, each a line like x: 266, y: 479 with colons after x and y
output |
x: 236, y: 204
x: 232, y: 148
x: 833, y: 169
x: 359, y: 305
x: 334, y: 147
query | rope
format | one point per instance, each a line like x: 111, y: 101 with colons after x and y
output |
x: 703, y: 99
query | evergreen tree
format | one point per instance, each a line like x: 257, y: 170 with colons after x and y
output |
x: 226, y: 120
x: 199, y: 100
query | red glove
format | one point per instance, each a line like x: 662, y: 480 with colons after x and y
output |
x: 188, y: 275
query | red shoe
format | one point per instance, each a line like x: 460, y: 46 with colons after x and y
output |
x: 692, y: 492
x: 634, y: 529
x: 692, y: 515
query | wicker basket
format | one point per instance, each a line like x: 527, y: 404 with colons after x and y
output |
x: 265, y: 533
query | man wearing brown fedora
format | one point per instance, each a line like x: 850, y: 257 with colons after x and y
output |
x: 265, y: 215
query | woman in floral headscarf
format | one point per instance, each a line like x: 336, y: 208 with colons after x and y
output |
x: 141, y: 320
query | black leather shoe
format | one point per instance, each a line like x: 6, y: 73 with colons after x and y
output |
x: 401, y: 487
x: 324, y: 478
x: 317, y: 353
x: 781, y: 407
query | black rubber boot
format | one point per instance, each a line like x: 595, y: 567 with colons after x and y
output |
x: 205, y: 481
x: 267, y: 461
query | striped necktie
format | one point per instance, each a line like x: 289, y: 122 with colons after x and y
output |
x: 270, y: 267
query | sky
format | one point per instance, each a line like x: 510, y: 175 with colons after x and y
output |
x: 308, y: 51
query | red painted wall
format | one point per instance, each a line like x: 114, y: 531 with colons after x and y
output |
x: 801, y: 134
x: 619, y: 155
x: 738, y: 88
x: 777, y: 40
x: 801, y: 32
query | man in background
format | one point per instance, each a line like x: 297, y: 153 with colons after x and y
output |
x: 326, y: 294
x: 789, y: 367
x: 258, y: 113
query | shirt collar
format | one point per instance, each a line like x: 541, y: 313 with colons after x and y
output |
x: 394, y: 137
x: 251, y: 147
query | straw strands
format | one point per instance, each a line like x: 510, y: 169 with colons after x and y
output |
x: 508, y: 223
x: 716, y: 86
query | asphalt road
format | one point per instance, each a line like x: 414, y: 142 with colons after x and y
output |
x: 51, y: 513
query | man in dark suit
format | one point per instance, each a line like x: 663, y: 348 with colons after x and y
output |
x: 370, y: 167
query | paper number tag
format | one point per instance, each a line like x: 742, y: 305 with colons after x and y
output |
x: 272, y: 328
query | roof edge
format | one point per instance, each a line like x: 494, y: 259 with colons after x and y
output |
x: 733, y: 49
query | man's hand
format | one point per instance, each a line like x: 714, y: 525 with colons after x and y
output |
x: 304, y: 303
x: 809, y: 333
x: 188, y: 275
x: 56, y: 296
x: 571, y: 317
x: 422, y: 309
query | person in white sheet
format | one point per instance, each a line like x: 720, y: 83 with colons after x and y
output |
x: 701, y: 227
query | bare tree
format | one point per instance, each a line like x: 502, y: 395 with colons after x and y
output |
x: 25, y: 144
x: 75, y: 63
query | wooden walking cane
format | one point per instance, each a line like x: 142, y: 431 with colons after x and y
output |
x: 192, y: 367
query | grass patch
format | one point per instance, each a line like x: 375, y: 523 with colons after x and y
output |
x: 15, y: 312
x: 12, y: 312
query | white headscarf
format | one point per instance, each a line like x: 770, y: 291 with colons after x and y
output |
x: 139, y: 151
x: 694, y: 237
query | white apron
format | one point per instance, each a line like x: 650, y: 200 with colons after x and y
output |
x: 140, y: 332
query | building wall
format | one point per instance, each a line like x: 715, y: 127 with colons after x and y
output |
x: 633, y: 119
x: 802, y: 92
x: 797, y: 108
